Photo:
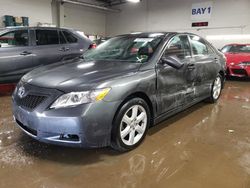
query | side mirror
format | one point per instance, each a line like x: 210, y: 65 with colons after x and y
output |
x: 220, y: 50
x: 172, y: 61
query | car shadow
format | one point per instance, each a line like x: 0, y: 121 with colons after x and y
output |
x: 82, y: 156
x: 171, y: 120
x: 60, y: 154
x: 237, y: 79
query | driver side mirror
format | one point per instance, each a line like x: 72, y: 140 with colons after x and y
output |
x: 172, y: 61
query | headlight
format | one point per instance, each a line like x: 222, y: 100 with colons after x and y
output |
x: 76, y: 98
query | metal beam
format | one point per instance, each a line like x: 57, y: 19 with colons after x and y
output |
x: 91, y: 5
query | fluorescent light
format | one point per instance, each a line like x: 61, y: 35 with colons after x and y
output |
x: 228, y: 37
x: 134, y: 1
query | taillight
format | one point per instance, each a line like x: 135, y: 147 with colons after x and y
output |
x: 92, y: 46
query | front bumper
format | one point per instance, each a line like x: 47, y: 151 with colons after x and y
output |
x: 87, y: 125
x: 238, y: 71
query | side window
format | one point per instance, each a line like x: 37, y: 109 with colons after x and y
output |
x: 14, y: 39
x: 69, y: 37
x: 179, y: 46
x: 47, y: 37
x: 198, y: 45
x: 62, y: 38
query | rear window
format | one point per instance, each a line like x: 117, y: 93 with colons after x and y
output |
x: 69, y: 37
x: 47, y: 37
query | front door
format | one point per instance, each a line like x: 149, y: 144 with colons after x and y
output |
x: 175, y: 87
x: 16, y: 56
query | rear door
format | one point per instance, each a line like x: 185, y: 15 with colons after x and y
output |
x: 15, y: 53
x: 47, y: 47
x: 204, y: 61
x: 72, y: 46
x: 175, y: 86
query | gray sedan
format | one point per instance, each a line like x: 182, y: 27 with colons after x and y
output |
x: 25, y: 48
x: 114, y: 93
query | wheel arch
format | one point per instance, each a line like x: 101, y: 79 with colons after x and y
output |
x: 143, y: 96
x: 223, y: 75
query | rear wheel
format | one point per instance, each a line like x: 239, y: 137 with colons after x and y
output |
x: 216, y: 90
x: 130, y: 125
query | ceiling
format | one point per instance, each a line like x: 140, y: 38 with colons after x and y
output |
x: 110, y: 2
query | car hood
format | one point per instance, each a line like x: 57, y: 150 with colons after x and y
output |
x: 78, y: 74
x: 237, y: 57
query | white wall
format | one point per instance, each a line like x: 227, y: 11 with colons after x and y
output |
x: 169, y: 15
x: 36, y: 10
x: 88, y: 20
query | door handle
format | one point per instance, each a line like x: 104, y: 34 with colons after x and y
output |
x: 191, y: 66
x: 64, y: 49
x: 24, y: 53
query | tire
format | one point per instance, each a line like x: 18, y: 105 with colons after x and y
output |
x: 215, y: 90
x: 130, y: 125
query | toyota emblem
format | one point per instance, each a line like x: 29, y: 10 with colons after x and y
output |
x: 21, y: 92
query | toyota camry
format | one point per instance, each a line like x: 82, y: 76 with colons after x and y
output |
x: 114, y: 93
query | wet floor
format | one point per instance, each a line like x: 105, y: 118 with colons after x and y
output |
x: 206, y: 146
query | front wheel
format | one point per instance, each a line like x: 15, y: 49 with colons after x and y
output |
x: 130, y: 125
x: 216, y: 90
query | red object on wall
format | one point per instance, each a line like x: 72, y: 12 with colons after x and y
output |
x: 6, y: 89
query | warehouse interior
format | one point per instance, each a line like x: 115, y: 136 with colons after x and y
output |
x: 206, y: 145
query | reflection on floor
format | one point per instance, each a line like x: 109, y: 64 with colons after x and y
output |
x: 206, y: 146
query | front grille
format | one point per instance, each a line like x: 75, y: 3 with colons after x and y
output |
x: 246, y: 62
x: 31, y: 101
x: 29, y: 130
x: 240, y: 72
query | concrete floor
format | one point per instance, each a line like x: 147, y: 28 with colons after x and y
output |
x: 206, y: 146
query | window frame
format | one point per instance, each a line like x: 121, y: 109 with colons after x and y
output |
x: 61, y: 32
x: 14, y: 30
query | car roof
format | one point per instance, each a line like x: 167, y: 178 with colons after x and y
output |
x: 35, y: 27
x: 147, y: 34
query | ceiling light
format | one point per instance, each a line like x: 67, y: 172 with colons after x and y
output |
x: 134, y: 1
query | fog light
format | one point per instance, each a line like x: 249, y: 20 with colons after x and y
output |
x: 69, y: 137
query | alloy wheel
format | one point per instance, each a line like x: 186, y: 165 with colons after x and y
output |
x: 133, y: 125
x: 217, y: 88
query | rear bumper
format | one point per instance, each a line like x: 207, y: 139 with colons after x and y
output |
x: 238, y: 71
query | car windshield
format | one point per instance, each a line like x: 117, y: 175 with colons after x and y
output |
x: 126, y: 48
x: 236, y: 49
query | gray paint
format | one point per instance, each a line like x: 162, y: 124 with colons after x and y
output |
x: 168, y: 90
x: 16, y: 61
